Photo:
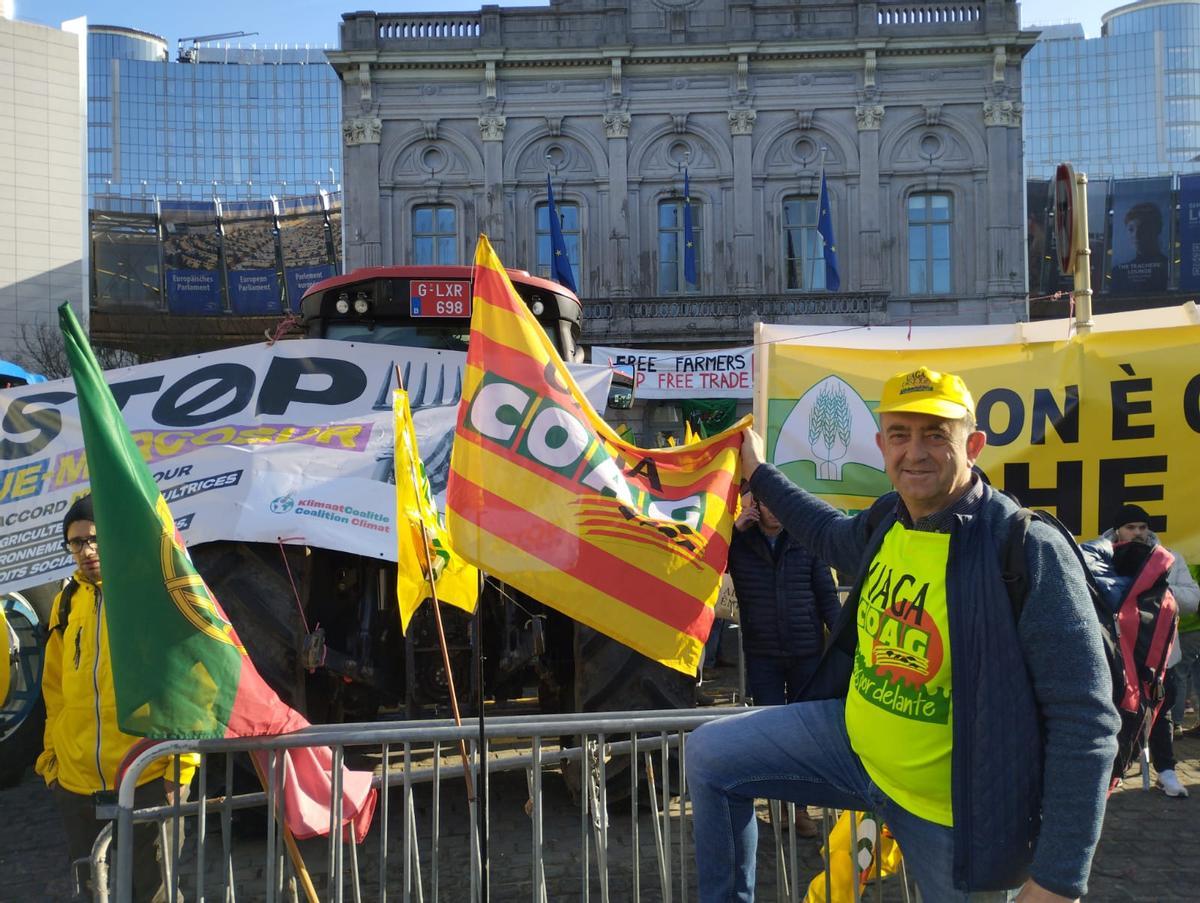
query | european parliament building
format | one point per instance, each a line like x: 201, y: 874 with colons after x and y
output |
x: 1124, y: 108
x: 239, y: 124
x: 214, y: 185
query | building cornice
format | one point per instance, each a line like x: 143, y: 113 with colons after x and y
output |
x: 473, y: 58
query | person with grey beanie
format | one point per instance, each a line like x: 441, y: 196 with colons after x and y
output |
x: 1131, y: 523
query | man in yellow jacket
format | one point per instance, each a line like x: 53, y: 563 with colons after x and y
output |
x: 83, y: 744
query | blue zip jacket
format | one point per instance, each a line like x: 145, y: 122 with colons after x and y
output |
x: 1035, y: 727
x: 785, y: 596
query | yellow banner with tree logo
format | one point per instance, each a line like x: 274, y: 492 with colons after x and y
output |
x: 1077, y: 424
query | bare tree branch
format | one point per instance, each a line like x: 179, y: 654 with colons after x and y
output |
x: 41, y: 350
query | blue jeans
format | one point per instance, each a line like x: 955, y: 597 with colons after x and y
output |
x: 798, y: 753
x: 773, y: 680
x: 1187, y: 673
x: 712, y: 646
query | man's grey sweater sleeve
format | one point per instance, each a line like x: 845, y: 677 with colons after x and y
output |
x: 1060, y: 637
x: 828, y: 534
x: 1183, y: 586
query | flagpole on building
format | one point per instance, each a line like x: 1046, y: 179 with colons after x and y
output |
x: 833, y: 278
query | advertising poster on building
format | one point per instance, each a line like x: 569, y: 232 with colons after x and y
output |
x: 1076, y: 426
x: 288, y: 440
x: 716, y: 373
x: 1189, y: 233
x: 125, y: 270
x: 192, y: 257
x: 251, y: 261
x: 304, y: 242
x: 1141, y: 235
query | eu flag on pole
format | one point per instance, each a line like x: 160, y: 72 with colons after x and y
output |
x: 833, y: 280
x: 689, y: 236
x: 560, y: 261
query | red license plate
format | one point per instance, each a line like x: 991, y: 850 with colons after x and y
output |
x: 439, y: 298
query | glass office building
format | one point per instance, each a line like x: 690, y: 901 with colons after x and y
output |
x: 231, y: 123
x: 1123, y: 105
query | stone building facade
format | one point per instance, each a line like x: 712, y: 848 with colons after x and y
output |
x: 453, y: 121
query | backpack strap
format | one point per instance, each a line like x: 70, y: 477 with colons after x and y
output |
x: 64, y: 605
x: 1012, y: 557
x: 1014, y: 570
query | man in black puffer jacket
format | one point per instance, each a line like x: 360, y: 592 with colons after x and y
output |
x: 786, y: 599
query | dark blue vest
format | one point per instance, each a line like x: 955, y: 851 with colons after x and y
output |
x: 997, y: 758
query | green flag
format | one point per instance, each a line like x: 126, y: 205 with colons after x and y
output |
x: 179, y: 669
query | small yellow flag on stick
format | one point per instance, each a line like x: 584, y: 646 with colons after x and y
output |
x: 417, y: 522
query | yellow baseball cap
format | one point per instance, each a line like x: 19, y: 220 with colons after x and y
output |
x: 925, y: 391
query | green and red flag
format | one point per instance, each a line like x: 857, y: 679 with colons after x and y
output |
x: 179, y: 669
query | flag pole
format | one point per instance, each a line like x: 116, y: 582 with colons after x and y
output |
x: 289, y: 841
x: 481, y: 812
x: 441, y: 632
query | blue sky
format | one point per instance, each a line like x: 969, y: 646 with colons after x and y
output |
x: 316, y: 21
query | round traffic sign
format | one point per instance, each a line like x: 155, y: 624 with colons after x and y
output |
x: 1064, y: 218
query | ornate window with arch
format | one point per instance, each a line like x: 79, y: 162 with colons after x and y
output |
x: 671, y: 247
x: 803, y: 248
x: 434, y: 235
x: 930, y: 225
x: 568, y: 218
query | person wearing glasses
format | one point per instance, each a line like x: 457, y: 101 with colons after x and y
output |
x: 83, y: 746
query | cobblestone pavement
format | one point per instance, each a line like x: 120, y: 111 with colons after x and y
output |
x: 1145, y: 852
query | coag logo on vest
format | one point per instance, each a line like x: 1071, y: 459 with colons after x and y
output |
x: 283, y: 504
x: 903, y: 650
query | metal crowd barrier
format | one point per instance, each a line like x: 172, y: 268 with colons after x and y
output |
x: 636, y: 848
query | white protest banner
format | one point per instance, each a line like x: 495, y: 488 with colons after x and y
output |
x: 716, y: 373
x: 265, y: 442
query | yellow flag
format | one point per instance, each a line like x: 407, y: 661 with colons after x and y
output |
x: 847, y: 866
x: 689, y: 434
x: 457, y: 582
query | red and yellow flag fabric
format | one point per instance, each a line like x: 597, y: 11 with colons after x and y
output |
x: 179, y: 668
x: 546, y: 496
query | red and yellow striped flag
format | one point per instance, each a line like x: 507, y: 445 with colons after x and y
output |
x: 544, y: 495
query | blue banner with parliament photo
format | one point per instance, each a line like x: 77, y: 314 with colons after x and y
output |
x: 254, y: 291
x: 300, y: 279
x: 194, y: 292
x: 191, y: 247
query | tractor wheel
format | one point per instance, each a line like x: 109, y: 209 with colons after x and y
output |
x: 611, y: 677
x: 252, y: 585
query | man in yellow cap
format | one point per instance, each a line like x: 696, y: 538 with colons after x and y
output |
x: 984, y: 741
